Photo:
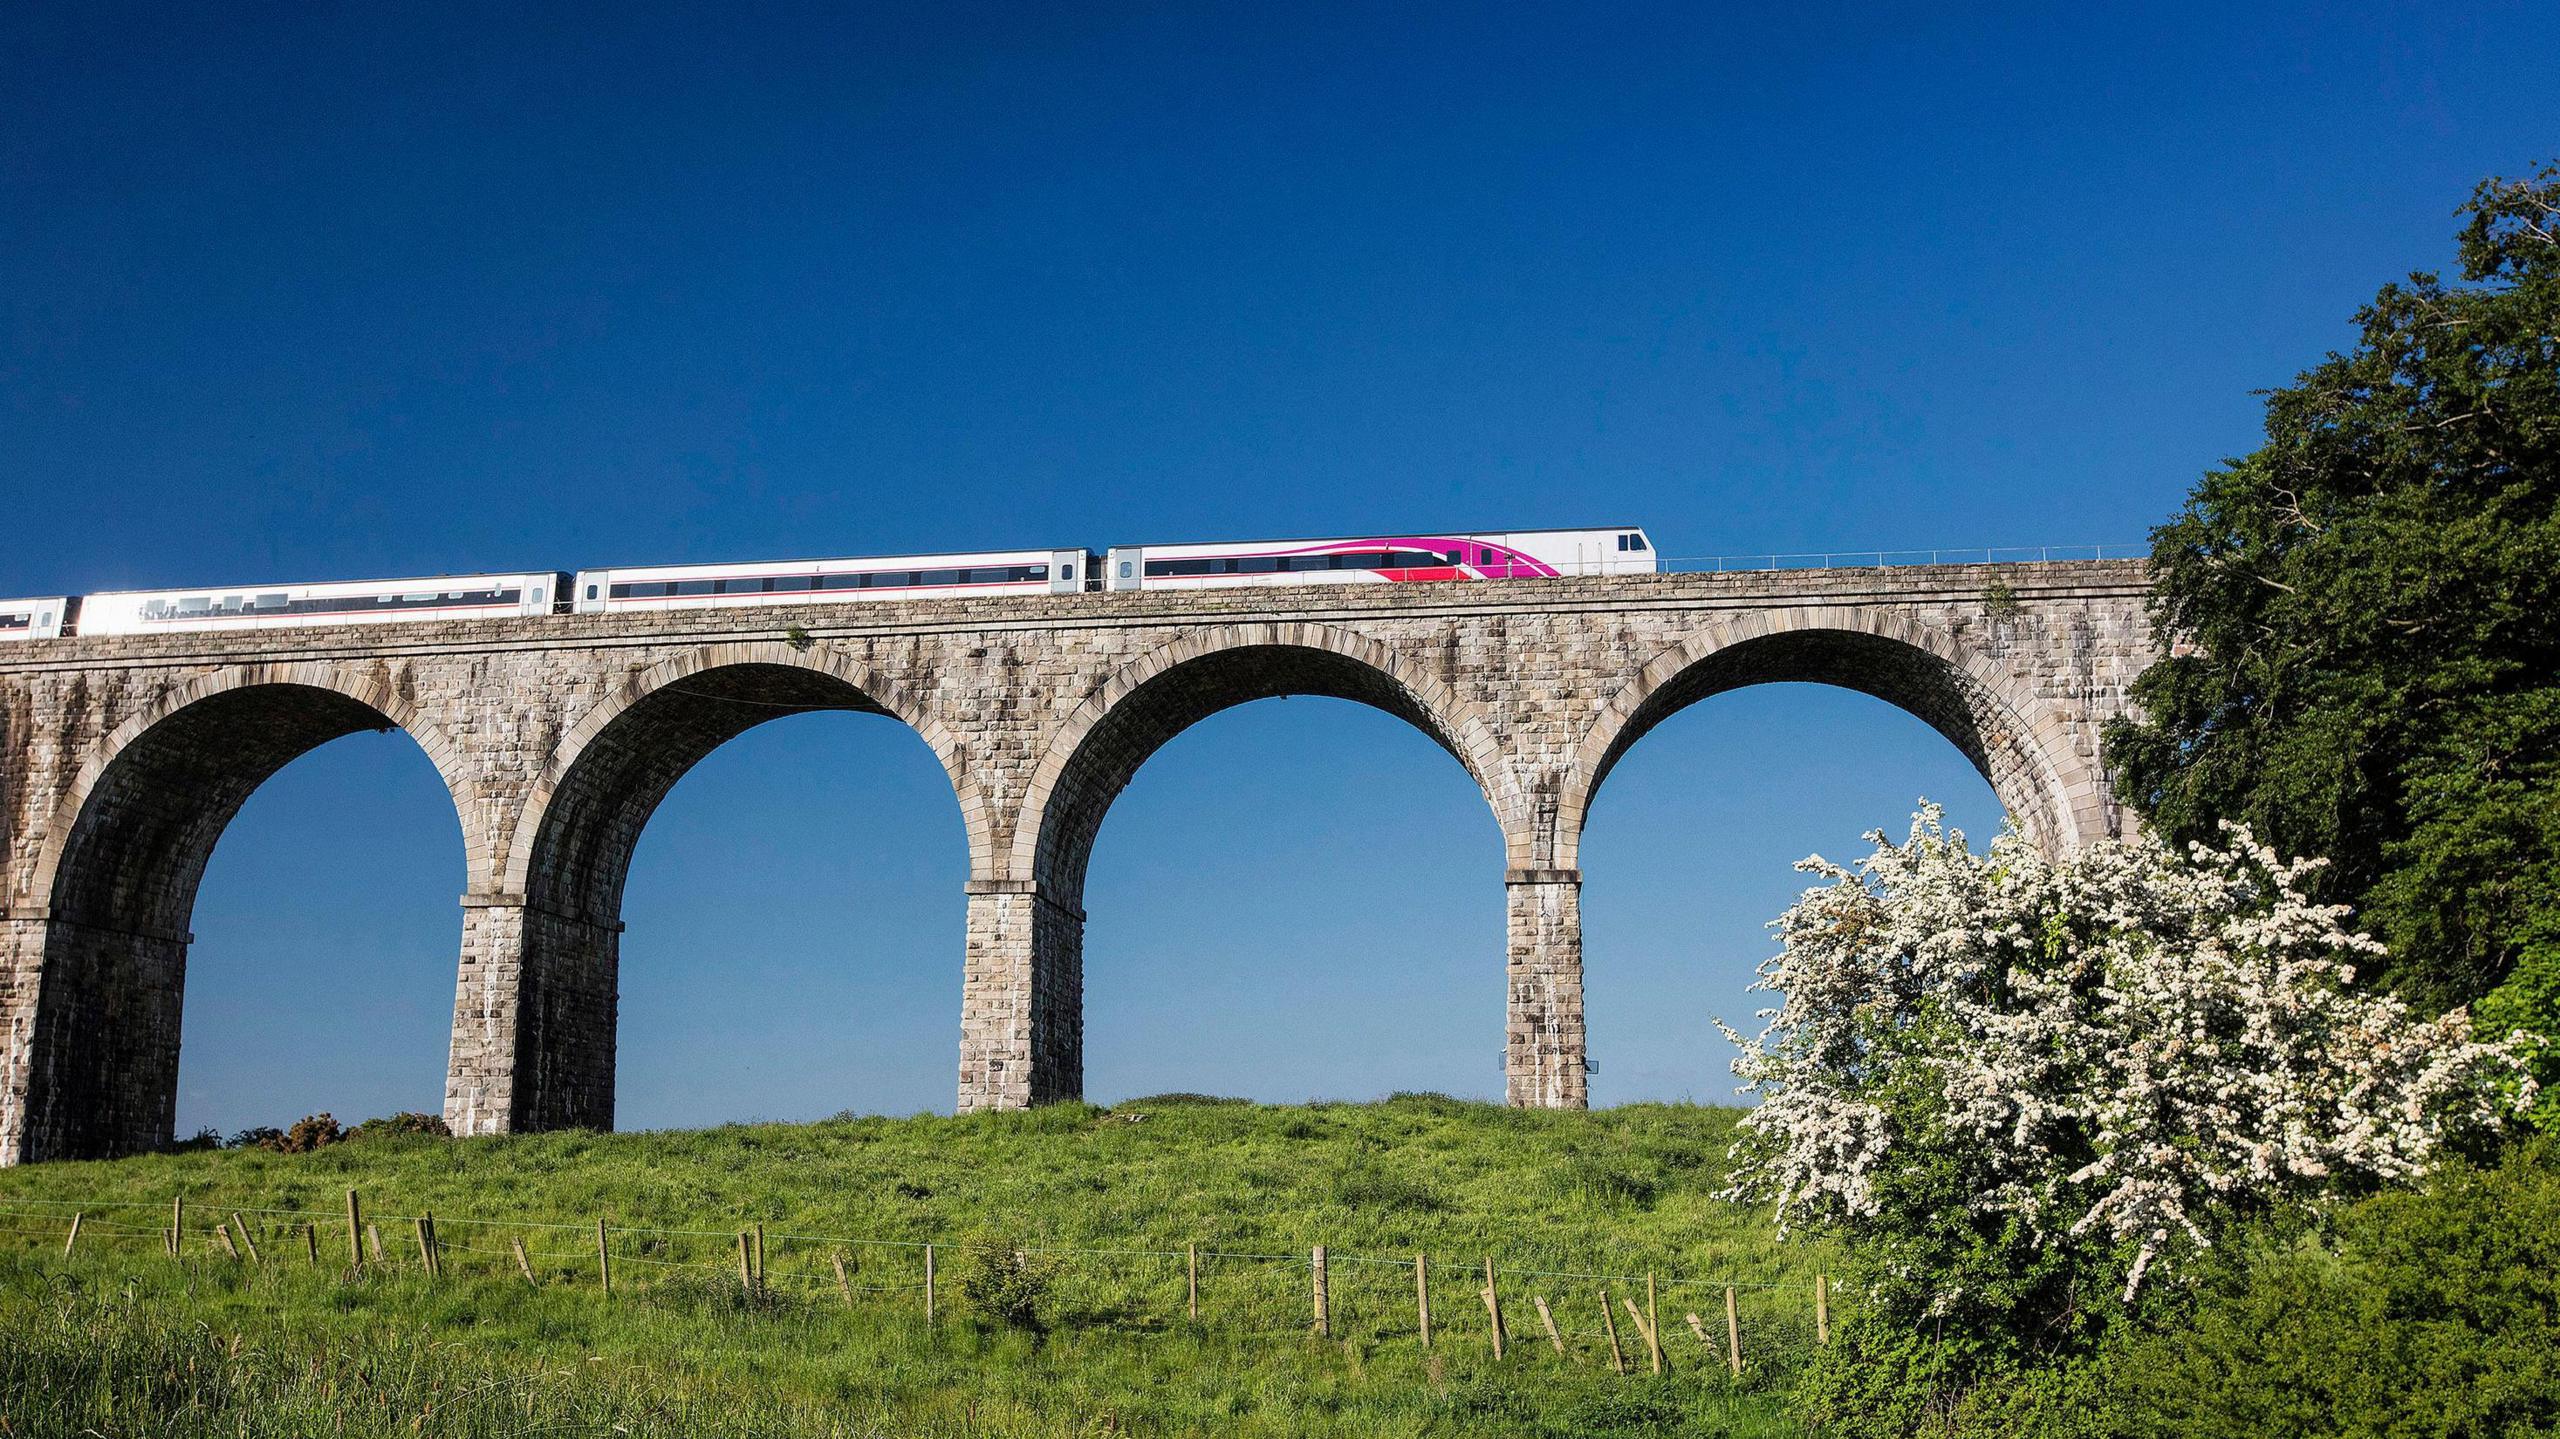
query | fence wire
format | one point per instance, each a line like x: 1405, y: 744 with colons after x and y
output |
x: 1593, y: 1316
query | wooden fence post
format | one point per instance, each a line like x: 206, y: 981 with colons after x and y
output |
x: 1644, y: 1331
x: 1192, y: 1277
x: 426, y: 1251
x: 928, y: 1284
x: 247, y: 1241
x: 1653, y: 1324
x: 604, y: 1260
x: 844, y: 1285
x: 1548, y: 1319
x: 311, y: 1241
x: 523, y: 1263
x: 760, y: 1281
x: 1323, y: 1301
x: 355, y: 1231
x: 1698, y: 1327
x: 1732, y: 1332
x: 373, y: 1241
x: 1822, y: 1309
x: 746, y: 1266
x: 223, y: 1233
x: 1493, y: 1305
x: 1422, y: 1295
x: 177, y: 1224
x: 1617, y: 1356
x: 74, y: 1236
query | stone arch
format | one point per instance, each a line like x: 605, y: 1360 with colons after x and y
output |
x: 661, y: 721
x: 2017, y: 740
x: 118, y: 870
x: 536, y: 1013
x: 1022, y: 1019
x: 1098, y: 749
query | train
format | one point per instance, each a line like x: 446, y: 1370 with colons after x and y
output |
x: 1354, y: 559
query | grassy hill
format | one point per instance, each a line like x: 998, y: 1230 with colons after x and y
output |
x: 1103, y: 1203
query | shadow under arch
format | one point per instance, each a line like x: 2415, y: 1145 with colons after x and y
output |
x: 120, y: 867
x: 2011, y: 737
x: 571, y: 855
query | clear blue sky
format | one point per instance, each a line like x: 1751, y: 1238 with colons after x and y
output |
x: 297, y: 292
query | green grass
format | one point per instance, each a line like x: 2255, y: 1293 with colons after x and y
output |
x: 122, y: 1340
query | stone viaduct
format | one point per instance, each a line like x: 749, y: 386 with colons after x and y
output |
x: 122, y: 759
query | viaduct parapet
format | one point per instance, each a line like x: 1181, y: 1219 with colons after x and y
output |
x: 122, y: 759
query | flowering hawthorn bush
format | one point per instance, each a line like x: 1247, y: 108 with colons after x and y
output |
x: 1994, y: 1064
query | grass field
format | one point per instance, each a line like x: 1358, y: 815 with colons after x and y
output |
x: 120, y: 1339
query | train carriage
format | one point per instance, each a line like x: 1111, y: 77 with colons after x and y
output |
x: 42, y: 618
x: 1384, y: 559
x: 345, y: 602
x: 886, y: 577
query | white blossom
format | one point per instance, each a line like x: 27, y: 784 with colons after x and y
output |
x: 2132, y: 1045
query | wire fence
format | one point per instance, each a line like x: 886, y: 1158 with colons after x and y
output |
x: 1634, y: 1322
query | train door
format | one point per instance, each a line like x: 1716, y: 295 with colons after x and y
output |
x: 1066, y: 571
x: 1128, y: 567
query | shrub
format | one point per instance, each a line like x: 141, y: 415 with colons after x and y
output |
x: 310, y: 1132
x: 1886, y: 1381
x: 406, y: 1123
x: 259, y: 1136
x: 2408, y: 1315
x: 2017, y: 1081
x: 205, y: 1138
x: 1004, y: 1282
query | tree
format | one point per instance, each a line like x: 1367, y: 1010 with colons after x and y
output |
x: 2023, y: 1090
x: 2365, y: 615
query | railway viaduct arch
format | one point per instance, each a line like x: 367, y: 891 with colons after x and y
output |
x: 122, y: 759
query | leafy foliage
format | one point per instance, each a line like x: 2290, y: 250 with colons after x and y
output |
x: 2412, y: 1315
x: 2018, y: 1085
x: 404, y: 1124
x: 2365, y: 615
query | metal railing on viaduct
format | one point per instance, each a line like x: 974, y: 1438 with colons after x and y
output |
x: 122, y: 759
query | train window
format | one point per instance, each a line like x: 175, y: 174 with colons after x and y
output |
x: 1066, y: 572
x: 693, y: 587
x: 195, y: 604
x: 1258, y: 565
x: 272, y: 602
x: 1636, y: 542
x: 537, y: 594
x: 591, y: 592
x: 1124, y: 569
x: 789, y: 582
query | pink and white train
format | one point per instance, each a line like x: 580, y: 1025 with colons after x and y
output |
x: 1361, y: 559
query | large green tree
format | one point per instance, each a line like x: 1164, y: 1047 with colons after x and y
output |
x: 2366, y: 621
